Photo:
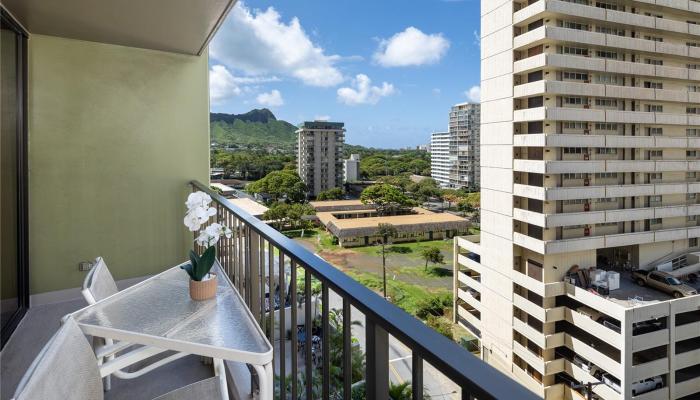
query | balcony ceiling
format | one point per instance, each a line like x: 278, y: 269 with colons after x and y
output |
x: 178, y: 26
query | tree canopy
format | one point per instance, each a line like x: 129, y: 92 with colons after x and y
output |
x: 432, y: 255
x: 330, y: 194
x: 424, y: 189
x: 387, y: 162
x: 387, y: 199
x: 283, y: 214
x: 250, y: 165
x: 278, y: 185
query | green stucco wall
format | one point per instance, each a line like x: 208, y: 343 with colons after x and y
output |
x: 115, y: 135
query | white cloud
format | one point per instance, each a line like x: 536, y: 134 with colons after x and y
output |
x: 271, y: 99
x: 259, y: 42
x: 222, y: 84
x: 411, y: 48
x: 322, y: 118
x: 474, y: 94
x: 362, y: 91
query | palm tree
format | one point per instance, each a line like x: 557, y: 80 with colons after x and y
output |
x: 386, y: 232
x: 400, y: 391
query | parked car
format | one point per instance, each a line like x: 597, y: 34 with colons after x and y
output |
x: 595, y: 315
x: 612, y: 382
x: 588, y: 366
x: 647, y: 385
x: 639, y: 328
x: 474, y: 257
x: 664, y: 282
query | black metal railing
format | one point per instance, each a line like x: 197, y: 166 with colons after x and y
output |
x: 265, y: 266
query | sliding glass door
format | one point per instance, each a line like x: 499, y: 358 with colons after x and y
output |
x: 14, y: 293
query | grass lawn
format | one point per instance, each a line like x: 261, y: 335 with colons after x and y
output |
x: 410, y: 248
x: 404, y: 295
x: 296, y: 233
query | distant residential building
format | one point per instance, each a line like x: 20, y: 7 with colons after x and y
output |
x: 352, y: 168
x: 464, y: 145
x: 319, y: 155
x: 440, y: 158
x: 423, y: 147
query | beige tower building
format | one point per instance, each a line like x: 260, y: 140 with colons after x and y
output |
x: 320, y: 155
x: 589, y: 170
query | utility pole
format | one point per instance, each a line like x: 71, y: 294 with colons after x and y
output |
x: 384, y: 267
x: 589, y: 388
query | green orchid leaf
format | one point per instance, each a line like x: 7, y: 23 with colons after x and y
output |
x: 194, y: 258
x: 188, y: 268
x: 207, y: 261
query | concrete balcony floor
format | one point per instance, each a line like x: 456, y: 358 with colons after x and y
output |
x: 41, y: 322
x: 39, y: 325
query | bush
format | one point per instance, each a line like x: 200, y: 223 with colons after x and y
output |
x: 433, y: 306
x: 441, y: 325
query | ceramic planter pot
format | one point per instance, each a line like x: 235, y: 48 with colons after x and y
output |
x: 204, y: 289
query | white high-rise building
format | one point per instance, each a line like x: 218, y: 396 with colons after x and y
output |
x: 589, y: 169
x: 440, y: 158
x: 319, y: 155
x: 352, y: 168
x: 464, y: 127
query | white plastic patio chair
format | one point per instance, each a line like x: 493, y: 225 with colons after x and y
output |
x: 98, y: 285
x: 66, y: 368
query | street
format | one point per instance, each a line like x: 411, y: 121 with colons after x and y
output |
x: 435, y: 384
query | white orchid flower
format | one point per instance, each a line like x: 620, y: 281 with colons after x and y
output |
x: 203, y: 213
x: 205, y: 239
x: 198, y: 199
x: 227, y: 232
x: 192, y: 222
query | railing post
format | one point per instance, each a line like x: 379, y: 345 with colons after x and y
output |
x: 416, y: 376
x: 377, y: 361
x: 253, y: 258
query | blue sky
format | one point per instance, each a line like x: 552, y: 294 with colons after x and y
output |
x: 389, y: 69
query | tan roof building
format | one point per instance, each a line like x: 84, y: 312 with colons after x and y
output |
x: 339, y: 205
x: 251, y: 207
x: 359, y: 227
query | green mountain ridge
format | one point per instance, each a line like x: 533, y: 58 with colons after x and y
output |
x: 257, y: 128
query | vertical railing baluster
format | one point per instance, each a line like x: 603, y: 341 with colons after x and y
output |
x: 254, y: 272
x: 229, y: 246
x: 283, y: 336
x: 234, y: 254
x: 308, y: 328
x: 325, y: 342
x: 239, y: 256
x: 466, y: 394
x: 347, y: 349
x: 377, y: 380
x: 271, y: 290
x: 293, y: 325
x: 261, y: 297
x: 417, y: 376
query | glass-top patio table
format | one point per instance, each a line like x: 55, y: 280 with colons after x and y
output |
x: 159, y: 313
